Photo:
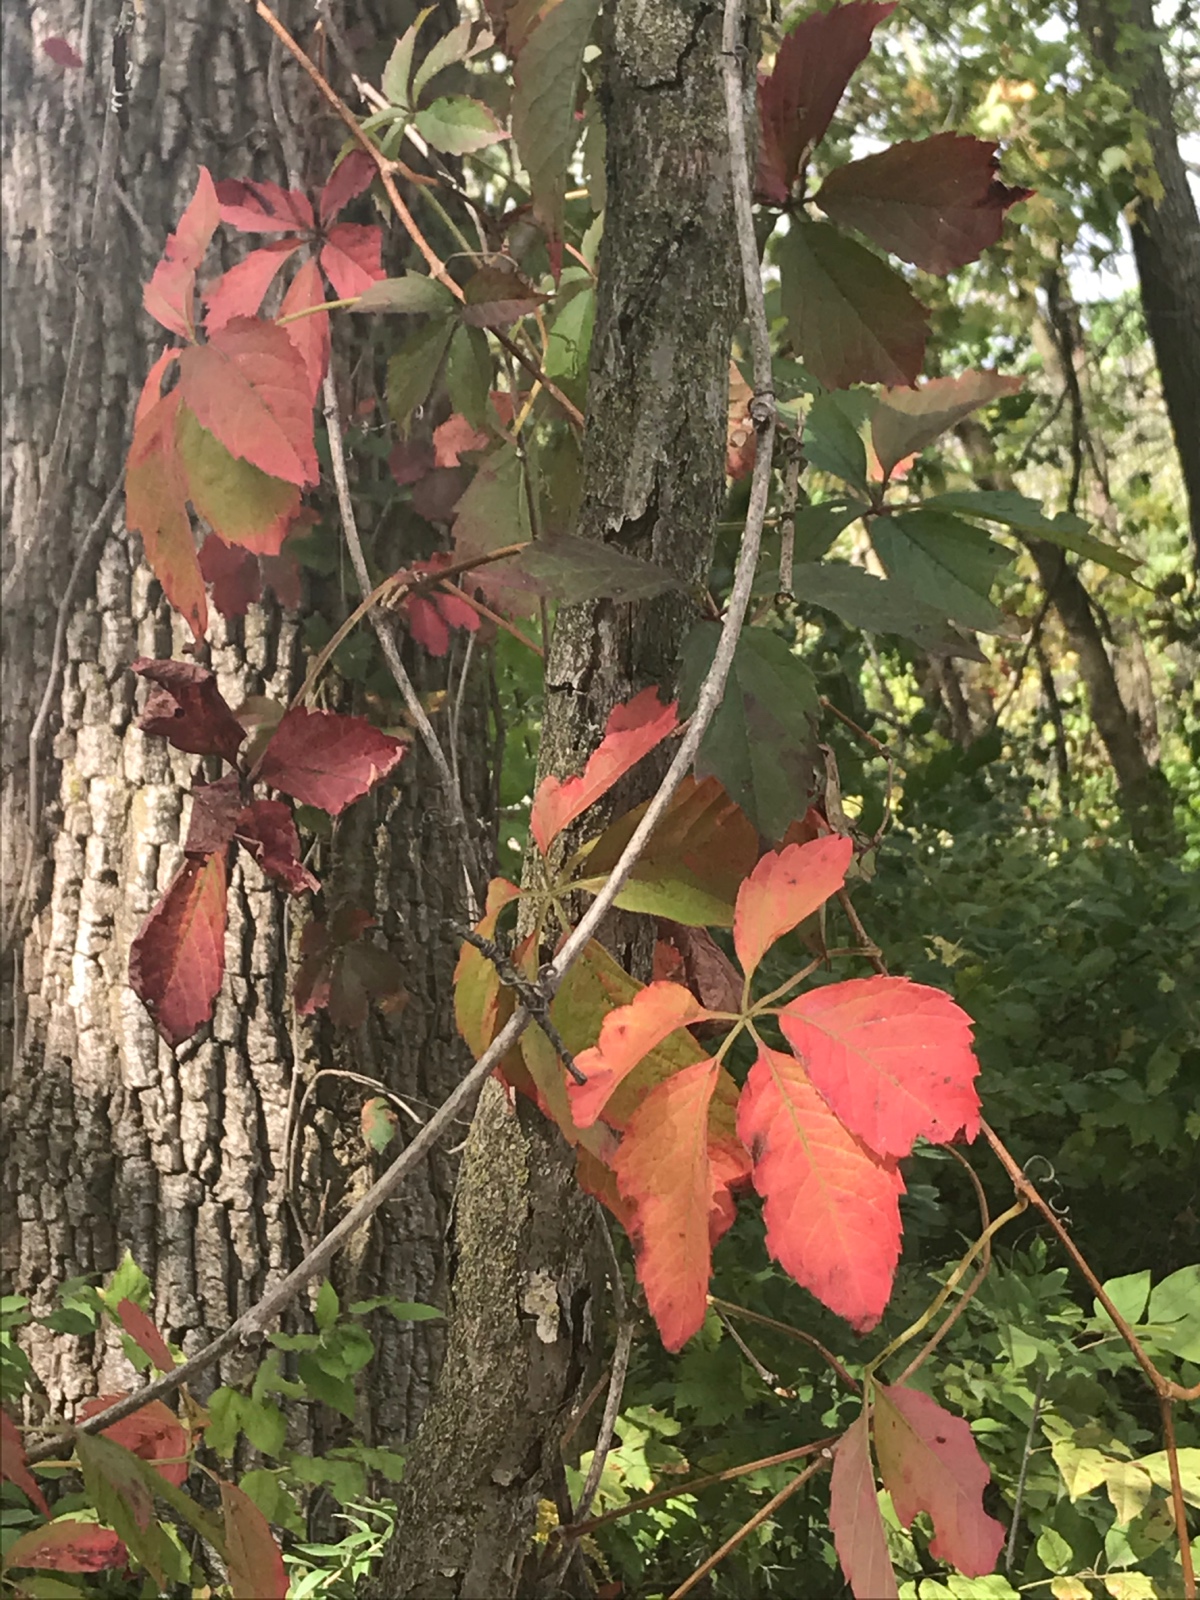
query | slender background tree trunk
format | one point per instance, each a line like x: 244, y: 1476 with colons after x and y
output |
x: 114, y: 1141
x: 526, y: 1321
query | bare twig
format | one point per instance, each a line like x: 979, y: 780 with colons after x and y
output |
x: 472, y: 871
x: 730, y: 1310
x: 1178, y: 1505
x: 756, y: 1521
x: 608, y: 1423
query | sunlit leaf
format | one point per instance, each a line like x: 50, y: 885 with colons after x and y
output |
x: 786, y: 887
x: 859, y: 1536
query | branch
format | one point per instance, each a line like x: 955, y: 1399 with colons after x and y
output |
x: 387, y: 643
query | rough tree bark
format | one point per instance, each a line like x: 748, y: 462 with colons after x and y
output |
x: 1165, y: 233
x: 112, y: 1139
x: 525, y: 1316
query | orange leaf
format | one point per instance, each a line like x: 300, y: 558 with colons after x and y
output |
x: 929, y: 1462
x: 906, y: 420
x: 785, y: 887
x: 68, y: 1546
x: 682, y: 1206
x: 633, y: 729
x: 153, y: 1432
x: 156, y: 507
x: 169, y: 295
x: 626, y: 1035
x: 893, y: 1059
x: 476, y: 981
x: 831, y: 1206
x: 249, y: 388
x: 255, y: 1562
x: 13, y: 1468
x: 858, y: 1531
x: 145, y: 1335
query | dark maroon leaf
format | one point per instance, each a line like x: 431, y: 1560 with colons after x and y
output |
x: 60, y: 52
x: 411, y: 460
x: 435, y: 496
x: 350, y: 177
x: 493, y: 298
x: 797, y: 101
x: 693, y: 958
x: 233, y: 574
x: 267, y: 830
x: 325, y: 759
x: 215, y: 809
x: 851, y: 318
x: 935, y: 202
x: 187, y: 709
x: 177, y: 960
x: 281, y: 574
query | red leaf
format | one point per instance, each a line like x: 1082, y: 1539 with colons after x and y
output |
x: 906, y: 420
x: 929, y: 1461
x: 935, y: 202
x: 169, y: 295
x: 832, y: 1208
x: 178, y: 959
x: 156, y: 507
x: 851, y: 318
x: 430, y: 616
x: 233, y: 573
x: 239, y: 292
x: 324, y: 759
x: 681, y: 1207
x: 351, y: 258
x: 13, y: 1468
x: 152, y: 388
x: 249, y: 388
x: 68, y: 1546
x: 797, y: 102
x: 626, y: 1035
x: 154, y: 1433
x: 350, y: 177
x: 453, y: 437
x: 60, y: 52
x: 310, y: 335
x: 893, y: 1059
x: 632, y: 731
x: 255, y: 1562
x: 785, y: 887
x: 411, y: 460
x: 186, y: 708
x: 145, y: 1335
x: 263, y: 207
x: 854, y: 1517
x: 267, y: 830
x: 215, y: 808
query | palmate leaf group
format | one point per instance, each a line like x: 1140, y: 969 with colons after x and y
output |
x: 874, y: 1063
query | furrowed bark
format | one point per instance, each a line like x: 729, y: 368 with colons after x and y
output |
x: 526, y: 1318
x: 113, y: 1141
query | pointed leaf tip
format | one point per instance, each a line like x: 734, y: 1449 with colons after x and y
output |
x: 786, y: 887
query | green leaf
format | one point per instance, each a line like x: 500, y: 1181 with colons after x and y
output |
x: 458, y: 125
x: 762, y: 742
x: 546, y: 82
x: 265, y: 1425
x: 1014, y: 510
x: 128, y: 1282
x: 379, y: 1123
x: 402, y: 1310
x: 295, y: 1341
x: 1177, y: 1296
x: 1054, y: 1552
x: 876, y: 606
x: 325, y: 1312
x: 225, y: 1424
x: 335, y: 1391
x: 832, y: 441
x: 678, y: 896
x: 818, y: 526
x: 346, y: 1480
x: 413, y: 291
x: 240, y: 502
x: 263, y: 1485
x: 571, y: 336
x: 469, y: 375
x: 413, y: 368
x: 1159, y: 1469
x: 947, y: 563
x: 399, y: 68
x: 850, y: 317
x: 568, y: 570
x: 1129, y: 1294
x: 123, y: 1500
x: 451, y: 47
x: 345, y: 1350
x: 269, y: 1380
x: 494, y: 511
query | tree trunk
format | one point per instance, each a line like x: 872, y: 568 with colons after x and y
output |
x: 114, y: 1140
x: 525, y: 1319
x: 1143, y: 789
x: 1166, y: 232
